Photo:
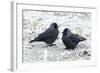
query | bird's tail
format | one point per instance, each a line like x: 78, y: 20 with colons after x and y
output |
x: 31, y: 41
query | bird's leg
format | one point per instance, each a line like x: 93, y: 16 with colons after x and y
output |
x: 70, y: 50
x: 65, y: 48
x: 51, y: 44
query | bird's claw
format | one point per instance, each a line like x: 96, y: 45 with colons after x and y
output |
x: 51, y: 44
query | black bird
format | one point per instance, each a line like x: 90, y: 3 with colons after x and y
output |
x: 49, y: 36
x: 71, y: 40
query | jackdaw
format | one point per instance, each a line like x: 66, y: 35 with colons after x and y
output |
x: 71, y: 40
x: 49, y: 36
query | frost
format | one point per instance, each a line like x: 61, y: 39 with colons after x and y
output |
x: 35, y: 22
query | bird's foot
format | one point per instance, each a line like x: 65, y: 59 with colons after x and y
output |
x: 69, y: 49
x: 51, y: 44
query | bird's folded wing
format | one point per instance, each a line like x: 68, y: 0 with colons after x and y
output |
x: 75, y: 38
x: 46, y: 35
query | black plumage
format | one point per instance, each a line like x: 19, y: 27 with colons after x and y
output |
x: 49, y: 36
x: 71, y: 40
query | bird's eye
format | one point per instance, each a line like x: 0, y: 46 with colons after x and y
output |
x: 55, y: 26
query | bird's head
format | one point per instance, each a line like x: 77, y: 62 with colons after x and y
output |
x: 54, y: 25
x: 66, y: 31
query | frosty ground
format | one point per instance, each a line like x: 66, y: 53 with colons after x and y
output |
x: 35, y: 22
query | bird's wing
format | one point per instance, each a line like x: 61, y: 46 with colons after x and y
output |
x: 45, y: 35
x: 76, y: 38
x: 68, y: 42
